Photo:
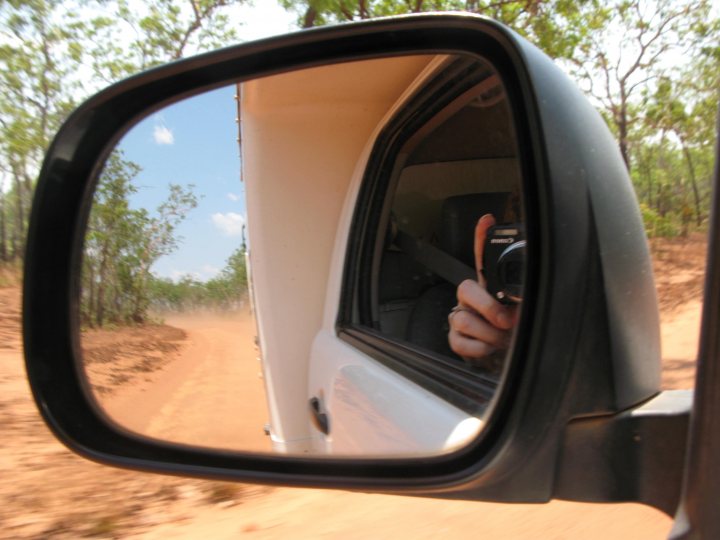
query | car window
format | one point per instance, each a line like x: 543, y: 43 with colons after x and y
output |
x: 445, y: 172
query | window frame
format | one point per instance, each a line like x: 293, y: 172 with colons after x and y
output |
x: 456, y: 382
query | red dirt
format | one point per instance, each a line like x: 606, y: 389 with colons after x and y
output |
x: 48, y: 492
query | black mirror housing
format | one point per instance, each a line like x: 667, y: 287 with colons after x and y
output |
x: 589, y: 331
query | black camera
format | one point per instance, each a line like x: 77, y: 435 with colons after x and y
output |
x: 504, y: 262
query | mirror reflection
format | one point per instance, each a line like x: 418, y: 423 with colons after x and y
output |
x: 216, y: 308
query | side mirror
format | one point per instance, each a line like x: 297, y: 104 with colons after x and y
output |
x: 368, y: 153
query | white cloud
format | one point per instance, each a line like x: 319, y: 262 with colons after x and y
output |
x: 230, y: 224
x: 163, y: 135
x: 233, y: 197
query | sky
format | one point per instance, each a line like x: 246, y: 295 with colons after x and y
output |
x: 194, y: 142
x: 263, y: 18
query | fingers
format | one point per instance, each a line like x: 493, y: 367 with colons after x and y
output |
x: 483, y: 325
x: 483, y: 224
x: 469, y: 348
x: 474, y: 295
x: 466, y: 324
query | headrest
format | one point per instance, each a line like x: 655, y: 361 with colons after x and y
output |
x: 460, y: 214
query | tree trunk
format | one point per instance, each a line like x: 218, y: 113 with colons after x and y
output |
x: 623, y: 135
x: 91, y: 287
x: 693, y: 181
x: 309, y: 18
x: 649, y: 176
x: 140, y: 307
x: 100, y: 300
x: 19, y: 232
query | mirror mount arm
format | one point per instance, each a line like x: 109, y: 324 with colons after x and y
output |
x: 633, y: 456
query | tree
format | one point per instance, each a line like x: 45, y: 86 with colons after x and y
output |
x: 53, y: 54
x: 109, y: 237
x: 225, y: 291
x: 122, y: 243
x: 38, y: 56
x: 557, y: 26
x: 161, y: 31
x: 680, y: 112
x: 622, y: 60
x: 159, y: 238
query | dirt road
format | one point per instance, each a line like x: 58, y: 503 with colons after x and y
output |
x: 48, y: 492
x: 40, y: 478
x: 211, y: 393
x: 309, y: 514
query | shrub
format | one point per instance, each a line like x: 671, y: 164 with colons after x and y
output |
x: 657, y: 225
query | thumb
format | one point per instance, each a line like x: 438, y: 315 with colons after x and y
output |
x: 483, y: 224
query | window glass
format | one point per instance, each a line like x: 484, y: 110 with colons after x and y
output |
x: 459, y: 165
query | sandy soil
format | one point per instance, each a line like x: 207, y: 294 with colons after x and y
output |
x: 679, y: 266
x: 194, y: 380
x: 48, y: 492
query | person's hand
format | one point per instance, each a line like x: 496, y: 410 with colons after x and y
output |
x: 479, y: 324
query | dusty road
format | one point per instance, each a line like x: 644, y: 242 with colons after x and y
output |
x: 307, y: 514
x: 211, y: 393
x: 40, y: 477
x: 48, y: 492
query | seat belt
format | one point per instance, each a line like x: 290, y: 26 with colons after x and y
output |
x: 436, y: 260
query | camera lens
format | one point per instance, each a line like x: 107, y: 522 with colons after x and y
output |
x: 511, y: 273
x: 511, y: 269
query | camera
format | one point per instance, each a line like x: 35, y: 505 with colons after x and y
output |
x: 504, y: 262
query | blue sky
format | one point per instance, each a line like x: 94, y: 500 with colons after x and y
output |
x: 195, y: 142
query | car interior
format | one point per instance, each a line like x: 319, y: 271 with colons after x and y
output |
x: 463, y: 164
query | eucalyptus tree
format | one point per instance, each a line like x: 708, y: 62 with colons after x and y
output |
x: 642, y: 44
x: 54, y: 53
x: 123, y: 241
x: 556, y: 26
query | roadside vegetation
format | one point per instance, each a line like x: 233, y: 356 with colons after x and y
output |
x: 651, y: 67
x: 121, y: 245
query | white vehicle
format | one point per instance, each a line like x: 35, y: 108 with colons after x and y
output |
x: 305, y: 155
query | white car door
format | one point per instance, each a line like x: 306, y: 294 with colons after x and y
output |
x: 339, y: 383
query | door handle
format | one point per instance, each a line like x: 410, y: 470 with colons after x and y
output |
x: 319, y: 418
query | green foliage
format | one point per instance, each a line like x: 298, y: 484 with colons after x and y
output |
x: 54, y: 53
x: 39, y: 55
x: 626, y: 60
x: 162, y: 30
x: 227, y: 291
x: 122, y: 243
x: 657, y: 225
x: 559, y: 27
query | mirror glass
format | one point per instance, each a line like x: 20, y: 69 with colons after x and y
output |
x: 216, y: 308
